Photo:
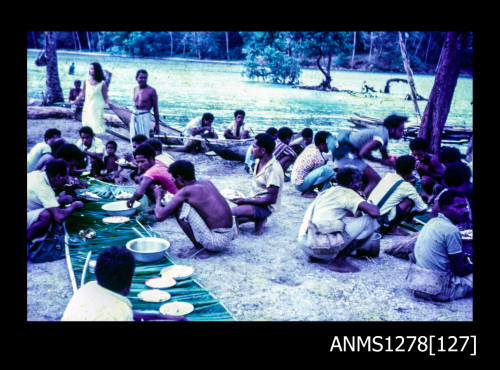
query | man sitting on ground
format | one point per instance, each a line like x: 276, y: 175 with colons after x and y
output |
x: 45, y: 209
x: 163, y: 158
x: 34, y: 155
x: 439, y: 248
x: 249, y: 159
x: 105, y: 299
x: 267, y: 185
x: 137, y: 140
x: 201, y: 211
x: 335, y: 211
x: 152, y: 174
x: 283, y: 153
x: 90, y: 144
x: 310, y: 170
x: 353, y: 147
x: 236, y: 129
x: 396, y: 197
x: 47, y: 157
x: 199, y: 127
x: 306, y: 138
x: 448, y: 155
x: 428, y: 166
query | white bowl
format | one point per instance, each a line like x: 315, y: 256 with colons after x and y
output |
x: 120, y: 208
x: 148, y: 249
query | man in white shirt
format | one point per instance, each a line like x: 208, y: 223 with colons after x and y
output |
x: 105, y: 299
x: 51, y: 135
x: 236, y: 129
x: 403, y: 202
x: 91, y: 145
x: 43, y: 206
x: 200, y: 127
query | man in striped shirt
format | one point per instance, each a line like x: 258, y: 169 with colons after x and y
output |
x: 283, y: 152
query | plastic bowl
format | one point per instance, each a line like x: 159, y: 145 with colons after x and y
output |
x: 148, y: 249
x: 120, y: 208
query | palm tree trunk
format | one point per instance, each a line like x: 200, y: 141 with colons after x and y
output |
x: 227, y: 45
x: 53, y: 91
x: 171, y: 44
x: 353, y: 50
x: 34, y: 39
x: 427, y: 51
x: 78, y: 39
x: 89, y: 41
x: 371, y: 47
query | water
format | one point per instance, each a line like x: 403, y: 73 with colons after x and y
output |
x: 188, y: 89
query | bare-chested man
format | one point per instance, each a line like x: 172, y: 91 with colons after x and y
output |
x: 201, y: 211
x: 145, y: 98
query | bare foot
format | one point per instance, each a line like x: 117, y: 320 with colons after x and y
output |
x: 203, y: 254
x: 343, y: 266
x: 259, y: 227
x: 309, y: 194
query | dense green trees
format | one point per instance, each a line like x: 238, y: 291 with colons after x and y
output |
x: 273, y: 56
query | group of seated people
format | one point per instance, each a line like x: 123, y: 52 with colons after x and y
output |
x: 353, y: 202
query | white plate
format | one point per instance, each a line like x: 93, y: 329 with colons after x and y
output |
x: 90, y: 196
x: 178, y: 272
x: 211, y: 153
x: 154, y: 295
x: 231, y: 194
x: 115, y: 219
x: 124, y: 195
x: 176, y: 308
x: 161, y: 282
x: 121, y: 205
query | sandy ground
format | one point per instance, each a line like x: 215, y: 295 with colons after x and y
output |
x: 266, y: 278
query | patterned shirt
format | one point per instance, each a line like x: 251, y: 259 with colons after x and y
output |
x: 270, y: 175
x: 310, y: 159
x: 93, y: 302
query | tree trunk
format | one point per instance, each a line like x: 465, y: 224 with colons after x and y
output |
x: 326, y: 84
x: 440, y: 56
x: 34, y: 39
x: 227, y: 45
x: 353, y: 50
x: 89, y: 41
x: 78, y: 39
x: 171, y: 44
x: 418, y: 45
x: 409, y: 73
x: 371, y: 47
x: 53, y: 91
x: 441, y: 95
x: 427, y: 51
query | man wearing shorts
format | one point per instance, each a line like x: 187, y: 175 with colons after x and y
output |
x: 267, y: 183
x: 201, y: 211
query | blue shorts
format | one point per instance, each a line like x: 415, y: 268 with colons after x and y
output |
x: 261, y: 212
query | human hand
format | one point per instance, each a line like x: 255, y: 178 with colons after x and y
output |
x: 157, y: 129
x: 130, y: 202
x: 77, y: 204
x: 238, y: 201
x: 158, y: 192
x: 65, y: 199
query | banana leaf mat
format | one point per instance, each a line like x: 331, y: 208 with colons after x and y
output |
x: 206, y: 306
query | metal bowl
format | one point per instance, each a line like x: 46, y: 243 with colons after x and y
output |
x: 120, y: 208
x: 148, y: 249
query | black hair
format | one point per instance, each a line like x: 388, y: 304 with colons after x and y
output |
x: 56, y: 167
x: 449, y: 154
x: 182, y: 168
x: 448, y: 196
x: 405, y: 165
x: 77, y: 81
x: 86, y: 130
x: 419, y: 143
x: 272, y: 131
x: 239, y: 111
x: 70, y: 152
x: 307, y: 132
x: 57, y: 144
x: 51, y: 132
x: 139, y: 139
x: 98, y: 72
x: 156, y: 144
x: 394, y: 121
x: 114, y: 268
x: 285, y: 133
x: 456, y: 174
x: 207, y: 117
x: 140, y: 71
x: 345, y: 175
x: 113, y: 143
x: 320, y: 137
x: 146, y: 150
x: 266, y: 141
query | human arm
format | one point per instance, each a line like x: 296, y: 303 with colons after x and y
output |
x: 270, y: 198
x: 60, y: 214
x: 162, y: 212
x: 143, y: 316
x: 228, y: 134
x: 459, y: 264
x: 42, y: 162
x: 154, y: 98
x: 104, y: 91
x: 370, y: 209
x: 140, y: 191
